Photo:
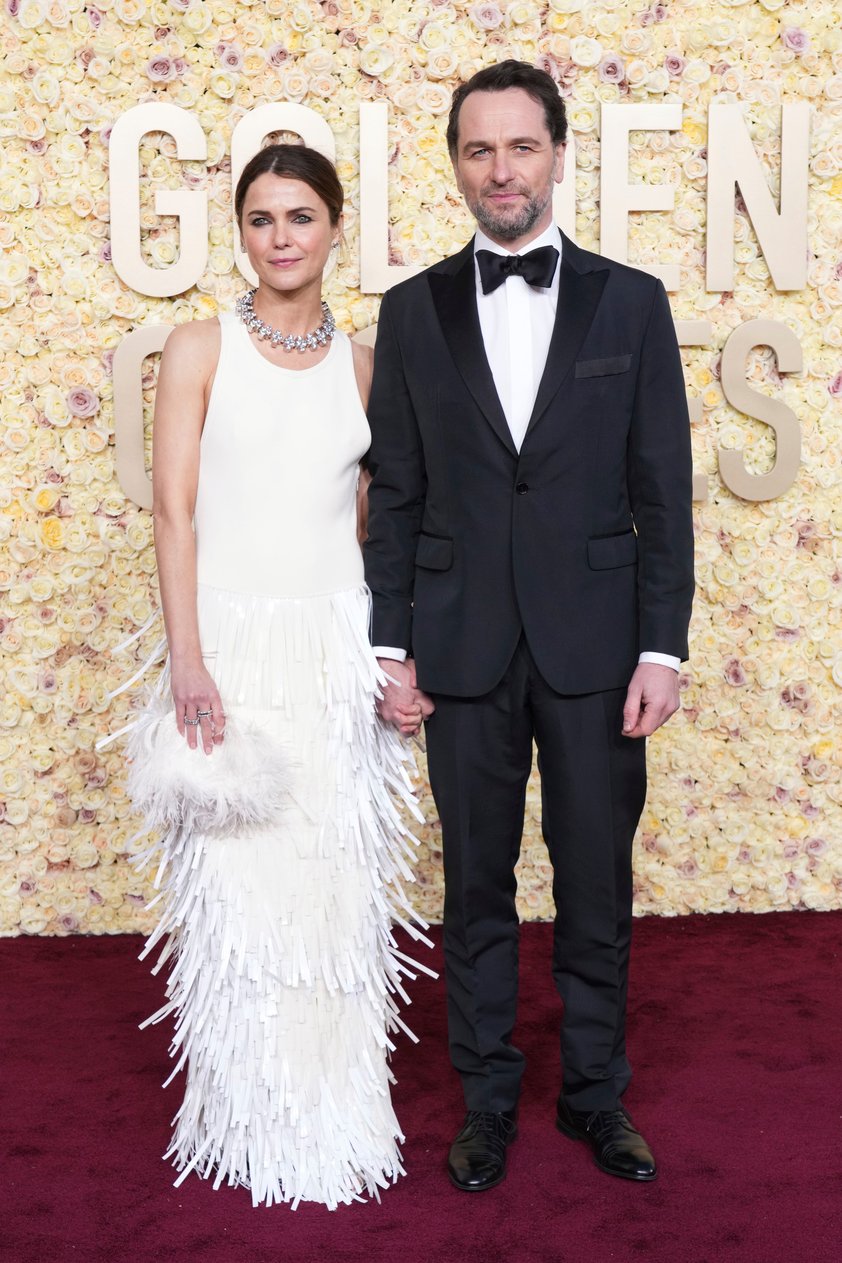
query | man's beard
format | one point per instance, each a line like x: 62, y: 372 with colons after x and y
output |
x: 511, y: 224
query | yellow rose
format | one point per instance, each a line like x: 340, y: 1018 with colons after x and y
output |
x: 45, y: 499
x: 52, y: 532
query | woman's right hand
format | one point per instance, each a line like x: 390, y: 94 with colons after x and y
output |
x: 196, y: 697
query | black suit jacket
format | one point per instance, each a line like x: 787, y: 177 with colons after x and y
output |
x: 583, y: 540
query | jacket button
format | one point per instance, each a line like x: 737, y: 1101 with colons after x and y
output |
x: 522, y: 488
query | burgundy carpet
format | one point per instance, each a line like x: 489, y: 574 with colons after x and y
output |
x: 735, y: 1035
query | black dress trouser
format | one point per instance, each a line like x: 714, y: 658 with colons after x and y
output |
x: 593, y: 781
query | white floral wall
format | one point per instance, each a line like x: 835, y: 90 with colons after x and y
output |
x: 745, y: 806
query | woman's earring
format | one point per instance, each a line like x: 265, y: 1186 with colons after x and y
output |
x: 334, y: 245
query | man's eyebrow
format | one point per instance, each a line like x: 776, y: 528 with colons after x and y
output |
x: 516, y: 140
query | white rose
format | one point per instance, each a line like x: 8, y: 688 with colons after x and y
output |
x: 585, y: 51
x: 375, y: 59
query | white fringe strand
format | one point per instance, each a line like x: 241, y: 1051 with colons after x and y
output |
x: 284, y: 974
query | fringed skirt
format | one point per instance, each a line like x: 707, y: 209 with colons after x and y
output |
x: 284, y: 973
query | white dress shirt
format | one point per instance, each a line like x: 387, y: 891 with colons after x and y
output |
x: 516, y: 321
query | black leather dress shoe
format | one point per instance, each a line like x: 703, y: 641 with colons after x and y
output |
x: 477, y: 1158
x: 619, y: 1148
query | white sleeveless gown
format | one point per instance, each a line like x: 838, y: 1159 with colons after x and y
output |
x: 284, y: 973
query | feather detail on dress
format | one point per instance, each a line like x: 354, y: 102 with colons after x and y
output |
x: 284, y: 972
x: 242, y: 784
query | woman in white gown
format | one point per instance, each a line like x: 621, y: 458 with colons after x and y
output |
x: 284, y: 973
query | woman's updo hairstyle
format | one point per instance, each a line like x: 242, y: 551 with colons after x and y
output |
x: 295, y: 162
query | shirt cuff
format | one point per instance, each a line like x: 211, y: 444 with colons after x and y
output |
x: 661, y: 659
x: 386, y: 651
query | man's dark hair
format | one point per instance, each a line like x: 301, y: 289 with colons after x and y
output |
x: 512, y: 74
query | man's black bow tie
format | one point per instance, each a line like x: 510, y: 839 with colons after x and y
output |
x: 537, y: 267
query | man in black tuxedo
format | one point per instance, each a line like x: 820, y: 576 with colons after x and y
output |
x: 530, y: 556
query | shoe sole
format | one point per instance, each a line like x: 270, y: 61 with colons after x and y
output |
x: 568, y: 1131
x: 482, y: 1188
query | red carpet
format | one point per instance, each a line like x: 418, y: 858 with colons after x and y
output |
x: 735, y: 1035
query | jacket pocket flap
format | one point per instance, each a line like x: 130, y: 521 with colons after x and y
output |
x: 610, y: 551
x: 434, y: 552
x: 602, y: 368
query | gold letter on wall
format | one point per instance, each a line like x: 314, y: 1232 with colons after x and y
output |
x: 617, y: 197
x: 128, y: 410
x: 772, y: 412
x: 733, y: 161
x: 376, y: 273
x: 695, y: 333
x: 248, y: 136
x: 191, y: 208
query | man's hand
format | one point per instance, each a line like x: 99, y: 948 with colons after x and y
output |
x: 403, y: 703
x: 651, y: 699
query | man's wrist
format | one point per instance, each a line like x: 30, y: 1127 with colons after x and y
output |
x: 661, y: 660
x: 389, y: 651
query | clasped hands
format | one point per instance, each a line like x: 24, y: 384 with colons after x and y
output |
x: 403, y: 703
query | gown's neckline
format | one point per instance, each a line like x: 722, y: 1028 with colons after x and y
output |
x: 291, y: 372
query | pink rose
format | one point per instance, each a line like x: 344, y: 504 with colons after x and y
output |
x: 12, y: 7
x: 181, y: 5
x: 796, y: 39
x: 95, y: 18
x: 276, y: 55
x: 549, y: 65
x: 674, y: 65
x: 734, y: 673
x: 161, y: 32
x: 612, y: 69
x: 486, y: 16
x: 230, y: 56
x: 160, y: 68
x: 835, y: 385
x: 82, y: 402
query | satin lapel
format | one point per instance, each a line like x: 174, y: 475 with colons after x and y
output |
x: 578, y: 298
x: 455, y: 300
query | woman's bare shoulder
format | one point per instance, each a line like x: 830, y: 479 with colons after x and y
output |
x: 199, y: 338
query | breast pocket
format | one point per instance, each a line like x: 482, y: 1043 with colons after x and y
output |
x: 605, y: 367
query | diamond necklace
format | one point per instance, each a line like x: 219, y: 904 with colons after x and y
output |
x: 289, y: 341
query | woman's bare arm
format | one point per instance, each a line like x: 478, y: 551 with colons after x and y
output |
x: 363, y: 366
x: 186, y: 374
